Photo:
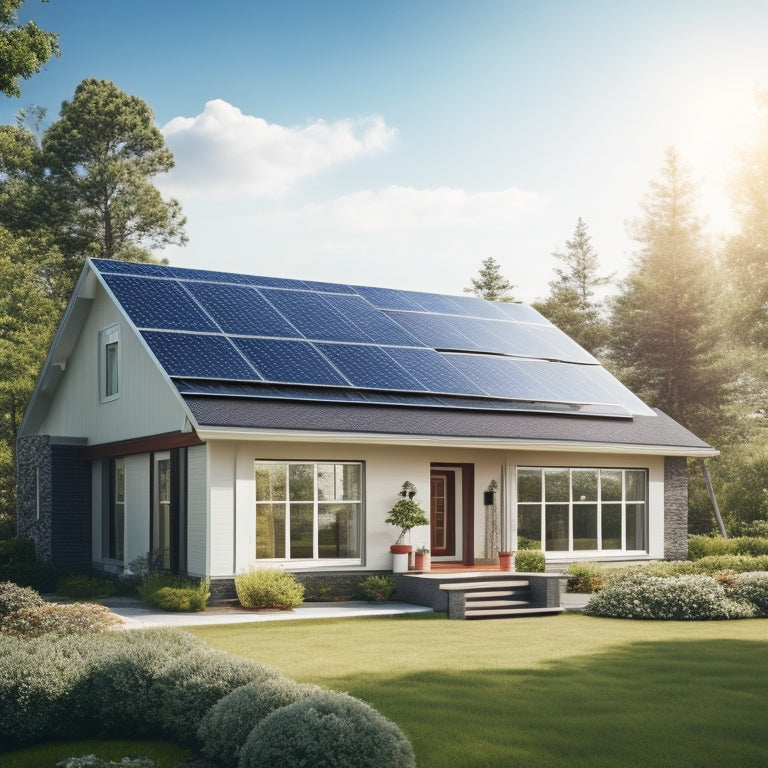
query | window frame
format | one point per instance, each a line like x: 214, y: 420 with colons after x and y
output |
x: 109, y: 337
x: 315, y: 503
x: 599, y: 503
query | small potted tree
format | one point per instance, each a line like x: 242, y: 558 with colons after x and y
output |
x: 405, y: 514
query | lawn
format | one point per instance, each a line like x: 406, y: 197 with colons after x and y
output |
x: 547, y: 692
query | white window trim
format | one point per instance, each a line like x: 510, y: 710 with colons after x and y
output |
x: 110, y: 335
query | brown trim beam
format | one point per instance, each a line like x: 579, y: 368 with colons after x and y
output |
x: 164, y: 442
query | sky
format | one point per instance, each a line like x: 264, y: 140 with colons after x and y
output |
x: 400, y: 143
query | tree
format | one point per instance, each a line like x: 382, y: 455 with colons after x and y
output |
x: 746, y: 253
x: 666, y: 339
x: 24, y: 50
x: 101, y: 155
x: 490, y: 284
x: 571, y: 304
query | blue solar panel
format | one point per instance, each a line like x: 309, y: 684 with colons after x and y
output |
x: 314, y: 316
x: 161, y: 304
x: 434, y: 330
x: 199, y: 356
x: 475, y: 307
x: 376, y: 326
x: 110, y: 266
x: 241, y: 310
x: 433, y: 370
x: 499, y: 377
x: 388, y: 298
x: 289, y: 362
x: 434, y: 302
x: 369, y: 367
x: 522, y: 313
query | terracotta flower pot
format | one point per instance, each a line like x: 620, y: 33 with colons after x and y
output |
x: 400, y: 549
x: 423, y: 561
x: 506, y: 561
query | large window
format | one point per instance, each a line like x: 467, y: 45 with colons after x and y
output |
x: 577, y: 510
x: 115, y: 518
x: 308, y: 511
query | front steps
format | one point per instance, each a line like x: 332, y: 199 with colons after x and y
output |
x: 499, y: 598
x: 483, y: 595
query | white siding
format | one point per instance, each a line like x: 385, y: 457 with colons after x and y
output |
x: 147, y: 404
x: 197, y: 510
x: 223, y: 510
x: 137, y: 500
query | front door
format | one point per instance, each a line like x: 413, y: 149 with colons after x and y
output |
x: 442, y: 506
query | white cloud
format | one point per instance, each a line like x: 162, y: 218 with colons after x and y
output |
x: 399, y: 208
x: 225, y: 153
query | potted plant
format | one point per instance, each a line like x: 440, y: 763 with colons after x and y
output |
x: 405, y: 514
x: 422, y: 559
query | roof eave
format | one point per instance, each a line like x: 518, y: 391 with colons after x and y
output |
x: 563, y: 446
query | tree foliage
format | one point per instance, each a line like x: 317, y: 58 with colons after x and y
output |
x: 667, y: 338
x: 571, y: 304
x: 24, y: 50
x: 490, y: 284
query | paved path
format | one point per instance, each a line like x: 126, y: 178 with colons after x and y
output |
x: 136, y: 615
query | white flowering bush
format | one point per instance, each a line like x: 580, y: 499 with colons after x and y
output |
x: 91, y: 761
x: 751, y: 586
x: 682, y: 598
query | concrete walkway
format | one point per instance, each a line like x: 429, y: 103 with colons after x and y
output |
x: 136, y: 615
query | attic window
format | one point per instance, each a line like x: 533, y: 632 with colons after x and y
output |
x: 109, y: 364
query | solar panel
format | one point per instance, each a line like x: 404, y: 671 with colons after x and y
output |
x: 433, y: 331
x: 433, y: 371
x: 110, y: 266
x: 369, y: 367
x: 376, y: 326
x: 199, y: 356
x: 161, y: 304
x: 241, y: 310
x: 388, y: 298
x: 289, y: 362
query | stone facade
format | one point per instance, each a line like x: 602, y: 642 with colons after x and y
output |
x: 675, y: 508
x: 34, y: 472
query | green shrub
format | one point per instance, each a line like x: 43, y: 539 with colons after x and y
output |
x: 91, y: 761
x: 174, y: 593
x: 18, y: 564
x: 79, y: 587
x: 708, y: 546
x: 187, y: 687
x: 378, y: 588
x: 690, y: 597
x: 585, y: 577
x: 268, y: 588
x: 523, y: 543
x: 752, y: 587
x: 7, y: 526
x: 530, y: 561
x: 328, y: 729
x: 13, y: 597
x: 55, y: 619
x: 226, y: 726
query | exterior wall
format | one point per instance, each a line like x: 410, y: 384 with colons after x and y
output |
x: 54, y: 501
x: 198, y: 532
x: 676, y: 506
x: 232, y: 494
x: 146, y: 405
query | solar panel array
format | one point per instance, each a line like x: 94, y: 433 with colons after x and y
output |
x: 224, y: 333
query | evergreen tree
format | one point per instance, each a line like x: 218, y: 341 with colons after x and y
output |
x: 666, y: 336
x: 571, y: 304
x: 490, y: 284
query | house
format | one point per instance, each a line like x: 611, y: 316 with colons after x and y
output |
x: 222, y: 421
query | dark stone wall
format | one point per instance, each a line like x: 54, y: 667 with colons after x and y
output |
x: 54, y: 501
x: 675, y: 508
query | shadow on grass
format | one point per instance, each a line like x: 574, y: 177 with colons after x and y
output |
x: 698, y: 704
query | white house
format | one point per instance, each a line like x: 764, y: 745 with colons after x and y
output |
x: 225, y: 421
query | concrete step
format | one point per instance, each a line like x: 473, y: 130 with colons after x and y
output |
x: 496, y: 593
x: 472, y: 586
x: 511, y: 613
x: 479, y: 604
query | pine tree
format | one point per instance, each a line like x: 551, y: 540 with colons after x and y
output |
x: 490, y: 284
x: 666, y: 339
x: 571, y: 304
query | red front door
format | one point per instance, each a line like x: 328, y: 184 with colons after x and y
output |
x: 442, y: 507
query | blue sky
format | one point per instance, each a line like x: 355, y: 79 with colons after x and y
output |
x: 400, y: 143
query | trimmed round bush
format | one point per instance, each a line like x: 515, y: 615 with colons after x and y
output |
x: 228, y: 723
x: 752, y: 587
x: 268, y: 588
x: 378, y: 588
x: 690, y: 598
x: 56, y: 619
x: 174, y: 593
x: 530, y: 561
x: 585, y: 577
x: 13, y: 597
x: 328, y: 730
x: 186, y: 688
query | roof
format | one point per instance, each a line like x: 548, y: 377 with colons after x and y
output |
x: 284, y: 356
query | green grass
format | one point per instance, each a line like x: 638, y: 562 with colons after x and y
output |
x: 567, y: 691
x: 47, y: 755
